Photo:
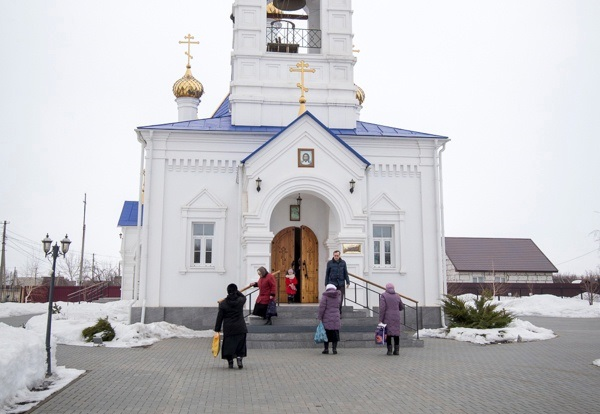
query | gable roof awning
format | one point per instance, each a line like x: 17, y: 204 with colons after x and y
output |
x: 129, y: 214
x: 308, y: 114
x: 473, y: 254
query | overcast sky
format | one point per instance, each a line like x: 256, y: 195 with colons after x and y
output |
x: 513, y: 84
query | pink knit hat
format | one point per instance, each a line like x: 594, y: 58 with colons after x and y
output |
x: 389, y: 286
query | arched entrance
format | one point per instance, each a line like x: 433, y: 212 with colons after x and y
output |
x: 298, y: 248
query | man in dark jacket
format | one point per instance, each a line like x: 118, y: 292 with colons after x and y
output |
x: 337, y: 275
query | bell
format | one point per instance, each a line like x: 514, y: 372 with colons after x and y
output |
x: 289, y: 5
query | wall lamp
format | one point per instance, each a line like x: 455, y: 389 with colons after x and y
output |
x: 352, y: 182
x: 299, y: 200
x: 258, y: 181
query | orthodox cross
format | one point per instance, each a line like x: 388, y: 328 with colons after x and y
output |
x: 302, y: 68
x: 188, y: 40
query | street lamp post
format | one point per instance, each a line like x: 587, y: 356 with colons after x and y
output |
x: 53, y: 251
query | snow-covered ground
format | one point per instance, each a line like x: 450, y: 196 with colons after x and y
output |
x: 519, y: 330
x: 23, y: 351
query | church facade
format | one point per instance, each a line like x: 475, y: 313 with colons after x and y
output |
x: 282, y: 175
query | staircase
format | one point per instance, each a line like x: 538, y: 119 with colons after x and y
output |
x: 295, y: 325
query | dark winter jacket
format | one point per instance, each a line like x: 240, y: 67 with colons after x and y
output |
x: 266, y: 287
x: 329, y: 309
x: 231, y: 315
x: 337, y: 273
x: 390, y: 306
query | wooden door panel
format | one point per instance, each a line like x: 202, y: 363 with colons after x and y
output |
x: 310, y: 266
x: 282, y: 257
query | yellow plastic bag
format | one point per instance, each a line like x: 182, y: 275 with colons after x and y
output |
x: 216, y: 344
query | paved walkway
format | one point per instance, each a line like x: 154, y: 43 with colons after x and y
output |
x: 181, y: 376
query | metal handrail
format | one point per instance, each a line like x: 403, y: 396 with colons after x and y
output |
x: 249, y: 295
x: 89, y: 293
x: 368, y: 290
x: 305, y: 38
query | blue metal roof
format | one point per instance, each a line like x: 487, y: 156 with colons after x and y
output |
x: 129, y: 214
x: 307, y: 113
x: 221, y: 121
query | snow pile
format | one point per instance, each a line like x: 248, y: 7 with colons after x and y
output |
x: 552, y: 306
x: 516, y: 331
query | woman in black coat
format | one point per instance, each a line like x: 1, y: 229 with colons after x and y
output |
x: 231, y: 317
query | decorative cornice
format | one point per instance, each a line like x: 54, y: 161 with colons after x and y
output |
x: 395, y: 170
x: 202, y: 166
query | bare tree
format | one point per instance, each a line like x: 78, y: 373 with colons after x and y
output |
x: 105, y: 272
x: 32, y: 291
x: 70, y: 267
x: 591, y: 284
x: 564, y: 277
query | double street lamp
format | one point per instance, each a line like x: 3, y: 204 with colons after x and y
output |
x: 53, y: 251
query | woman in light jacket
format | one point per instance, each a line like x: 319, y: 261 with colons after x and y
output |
x: 390, y: 305
x: 329, y: 314
x: 267, y: 288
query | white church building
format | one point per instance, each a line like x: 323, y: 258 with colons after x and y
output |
x: 284, y: 173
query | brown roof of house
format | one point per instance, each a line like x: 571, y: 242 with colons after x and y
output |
x: 472, y: 254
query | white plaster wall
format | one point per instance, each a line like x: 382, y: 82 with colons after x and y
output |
x: 265, y: 92
x: 128, y: 254
x: 185, y: 164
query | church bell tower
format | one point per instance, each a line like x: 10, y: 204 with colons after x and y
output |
x: 273, y: 42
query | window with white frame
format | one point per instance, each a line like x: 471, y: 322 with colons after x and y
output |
x: 383, y: 245
x: 203, y: 236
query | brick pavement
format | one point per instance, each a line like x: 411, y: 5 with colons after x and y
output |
x: 181, y: 376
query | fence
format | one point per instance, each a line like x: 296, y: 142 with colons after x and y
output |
x: 39, y: 294
x: 518, y: 289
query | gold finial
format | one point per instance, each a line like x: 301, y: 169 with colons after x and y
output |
x: 302, y: 68
x: 188, y: 40
x: 355, y: 50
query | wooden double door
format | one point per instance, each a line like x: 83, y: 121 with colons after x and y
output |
x: 297, y: 248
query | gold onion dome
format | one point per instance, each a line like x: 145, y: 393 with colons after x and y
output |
x: 188, y: 86
x: 360, y: 94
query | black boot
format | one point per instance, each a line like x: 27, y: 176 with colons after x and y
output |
x: 326, y: 350
x: 396, y: 349
x: 334, y: 347
x: 269, y: 321
x: 389, y: 352
x: 239, y: 363
x: 230, y: 362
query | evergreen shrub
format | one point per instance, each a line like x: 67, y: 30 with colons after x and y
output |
x: 102, y: 326
x: 483, y: 315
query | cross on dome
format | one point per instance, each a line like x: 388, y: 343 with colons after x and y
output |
x: 302, y: 68
x: 188, y: 40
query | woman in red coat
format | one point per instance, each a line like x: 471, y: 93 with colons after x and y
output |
x: 267, y: 288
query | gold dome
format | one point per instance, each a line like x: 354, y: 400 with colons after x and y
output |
x: 188, y: 86
x: 360, y: 94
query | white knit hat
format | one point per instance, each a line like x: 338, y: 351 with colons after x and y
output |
x: 330, y: 286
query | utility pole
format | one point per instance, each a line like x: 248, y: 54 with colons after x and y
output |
x: 3, y: 263
x: 82, y: 240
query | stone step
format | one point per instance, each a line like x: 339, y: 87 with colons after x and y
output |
x: 295, y: 325
x: 306, y: 340
x: 293, y: 321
